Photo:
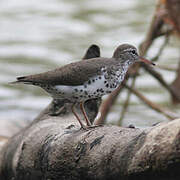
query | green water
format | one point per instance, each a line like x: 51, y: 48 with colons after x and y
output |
x: 37, y: 36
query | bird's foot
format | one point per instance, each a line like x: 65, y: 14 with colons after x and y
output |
x: 91, y: 127
x: 95, y: 125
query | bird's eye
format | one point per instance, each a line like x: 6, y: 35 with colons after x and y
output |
x: 134, y: 52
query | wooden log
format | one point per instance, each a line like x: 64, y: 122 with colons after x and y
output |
x: 56, y: 148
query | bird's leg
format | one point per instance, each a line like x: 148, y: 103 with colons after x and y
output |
x: 56, y: 109
x: 77, y: 117
x: 84, y: 113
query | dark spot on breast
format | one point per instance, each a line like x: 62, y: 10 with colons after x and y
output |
x: 107, y: 85
x: 85, y: 86
x: 76, y: 90
x: 93, y: 80
x: 98, y: 90
x: 99, y: 77
x: 105, y: 82
x: 101, y: 90
x: 85, y: 92
x: 89, y: 82
x: 81, y: 90
x: 89, y: 96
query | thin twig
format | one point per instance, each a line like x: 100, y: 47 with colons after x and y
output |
x: 166, y: 40
x: 161, y: 80
x: 153, y: 32
x: 175, y: 85
x: 125, y: 106
x: 167, y: 113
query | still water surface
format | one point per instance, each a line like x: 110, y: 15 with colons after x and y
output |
x: 36, y: 36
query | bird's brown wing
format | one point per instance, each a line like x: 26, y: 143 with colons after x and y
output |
x: 72, y: 74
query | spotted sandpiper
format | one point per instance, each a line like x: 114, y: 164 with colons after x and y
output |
x: 83, y: 80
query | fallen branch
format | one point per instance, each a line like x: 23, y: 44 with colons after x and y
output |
x: 170, y: 115
x: 55, y: 148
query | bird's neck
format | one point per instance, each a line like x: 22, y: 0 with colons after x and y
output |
x: 125, y: 63
x: 128, y: 62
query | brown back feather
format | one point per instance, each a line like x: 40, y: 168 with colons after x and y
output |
x: 72, y: 74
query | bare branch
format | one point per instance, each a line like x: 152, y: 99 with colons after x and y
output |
x: 170, y: 115
x: 125, y: 106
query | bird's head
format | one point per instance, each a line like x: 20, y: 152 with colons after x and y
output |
x: 128, y: 53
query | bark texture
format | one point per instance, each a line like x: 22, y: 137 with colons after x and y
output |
x: 56, y: 148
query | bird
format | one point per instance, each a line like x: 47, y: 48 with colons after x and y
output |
x: 91, y: 105
x: 80, y: 81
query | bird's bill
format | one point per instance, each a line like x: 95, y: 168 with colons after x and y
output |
x: 141, y: 59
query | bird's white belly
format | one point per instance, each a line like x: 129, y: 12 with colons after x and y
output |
x: 94, y: 88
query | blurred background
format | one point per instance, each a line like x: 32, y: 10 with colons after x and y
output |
x: 39, y: 35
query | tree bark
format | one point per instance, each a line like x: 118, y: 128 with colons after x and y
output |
x: 56, y: 148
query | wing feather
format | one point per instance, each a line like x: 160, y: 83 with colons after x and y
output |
x: 72, y: 74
